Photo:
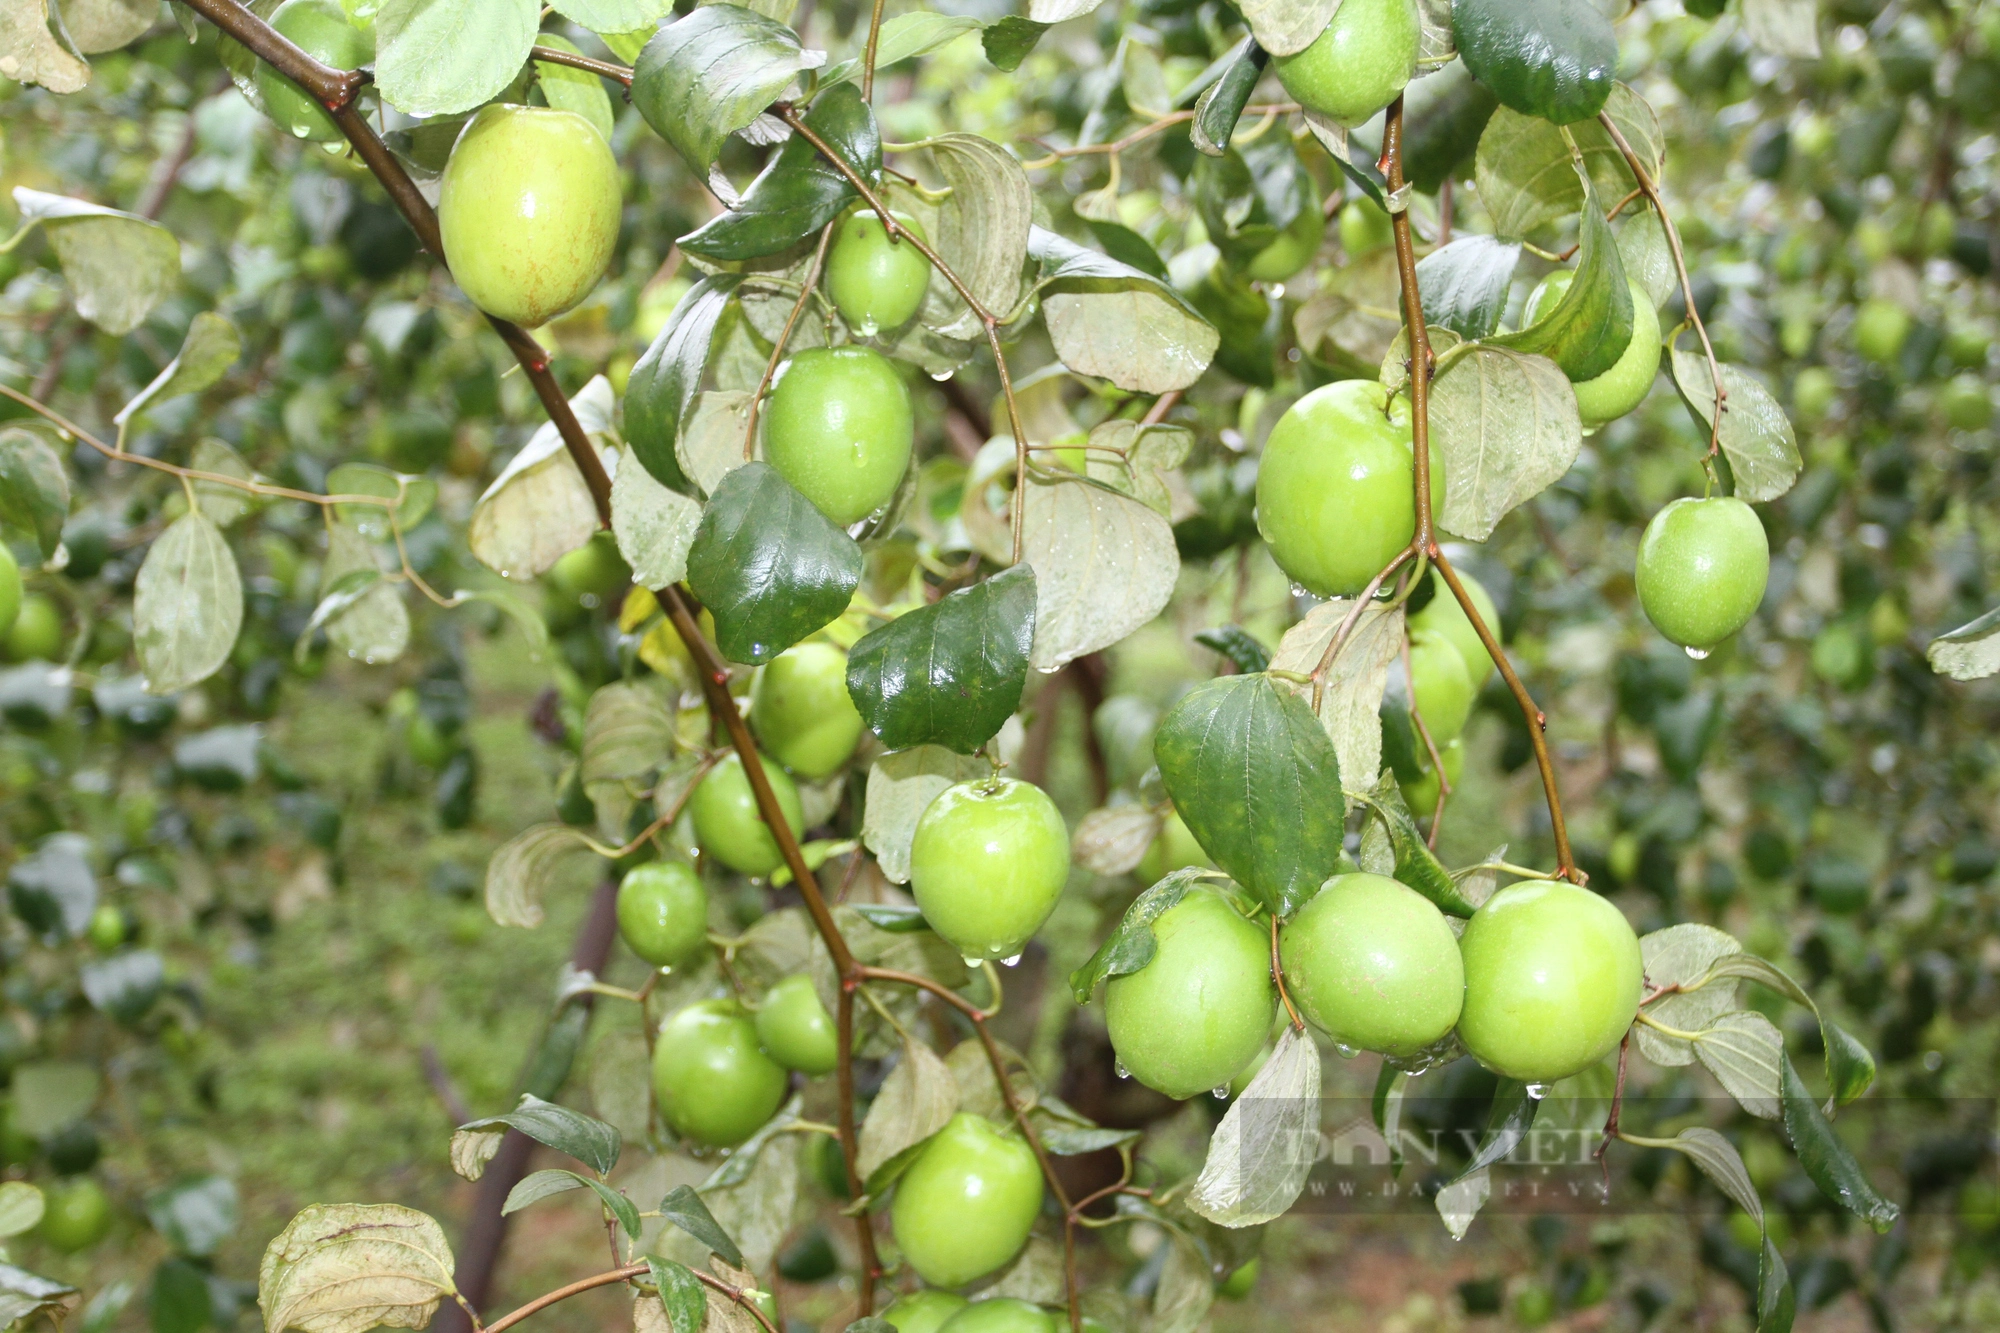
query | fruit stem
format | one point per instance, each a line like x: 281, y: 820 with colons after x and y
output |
x: 1278, y: 976
x: 1421, y: 361
x: 1348, y: 622
x: 1430, y: 744
x: 784, y: 339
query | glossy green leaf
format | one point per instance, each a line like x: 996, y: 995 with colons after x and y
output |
x: 1255, y: 778
x: 1245, y: 653
x: 768, y: 565
x: 949, y: 673
x: 34, y: 489
x: 590, y: 1141
x: 436, y: 57
x: 1218, y: 110
x: 1008, y: 42
x: 663, y: 385
x: 1549, y: 58
x: 703, y: 77
x: 1416, y: 864
x: 1464, y: 285
x: 1591, y: 326
x: 1132, y: 944
x: 684, y: 1208
x: 1757, y: 437
x: 799, y: 191
x: 1248, y: 196
x: 682, y: 1295
x: 187, y: 605
x: 1826, y: 1158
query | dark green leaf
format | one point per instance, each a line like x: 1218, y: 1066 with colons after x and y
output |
x: 1127, y: 246
x: 621, y: 1207
x: 1826, y: 1159
x: 1216, y: 114
x: 590, y: 1141
x: 179, y: 1301
x: 1131, y: 946
x: 124, y: 985
x: 800, y: 191
x: 684, y: 1208
x: 668, y: 376
x: 1591, y: 325
x: 1445, y: 126
x: 1416, y: 864
x: 768, y: 565
x: 1254, y: 775
x: 533, y: 1188
x: 1549, y: 58
x: 1248, y: 197
x: 703, y: 77
x: 34, y: 489
x: 1850, y: 1068
x: 53, y: 891
x: 1235, y: 643
x: 949, y: 673
x: 1074, y: 1141
x: 681, y: 1292
x: 1777, y: 1302
x: 1464, y: 285
x: 895, y: 918
x: 1008, y: 42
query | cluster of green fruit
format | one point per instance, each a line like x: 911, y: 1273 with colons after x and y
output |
x: 1542, y: 984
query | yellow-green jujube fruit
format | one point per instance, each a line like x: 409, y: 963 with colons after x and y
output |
x: 711, y: 1078
x: 876, y: 283
x: 10, y: 590
x: 1358, y: 65
x: 1881, y: 327
x: 1440, y: 686
x: 77, y: 1215
x: 987, y: 864
x: 663, y: 913
x: 1443, y: 615
x: 727, y: 823
x: 323, y: 31
x: 965, y: 1206
x: 1365, y: 228
x: 1552, y: 980
x: 1702, y: 569
x: 1610, y: 395
x: 795, y: 1028
x: 1293, y: 249
x: 1188, y: 1020
x: 1372, y: 963
x: 1001, y: 1314
x: 1172, y: 849
x: 528, y: 207
x: 801, y: 711
x: 1422, y: 794
x: 838, y: 427
x: 1967, y: 403
x: 37, y: 631
x: 923, y: 1311
x: 1336, y: 486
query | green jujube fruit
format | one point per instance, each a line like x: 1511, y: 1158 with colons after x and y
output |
x: 801, y: 711
x: 1372, y: 963
x: 77, y: 1215
x: 1443, y: 615
x: 876, y: 283
x: 987, y: 864
x: 663, y: 913
x: 1294, y: 249
x: 727, y: 823
x: 37, y: 632
x: 1702, y: 569
x: 1188, y: 1020
x: 10, y: 590
x: 323, y: 31
x: 1552, y: 980
x: 923, y: 1311
x: 1612, y: 394
x: 965, y: 1206
x: 712, y: 1080
x: 1358, y: 65
x: 1440, y: 686
x: 795, y: 1027
x: 838, y: 427
x: 528, y: 209
x: 1001, y: 1314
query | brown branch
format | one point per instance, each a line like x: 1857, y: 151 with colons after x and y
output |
x: 625, y: 1274
x: 1278, y: 979
x: 868, y: 55
x: 548, y: 55
x: 784, y: 339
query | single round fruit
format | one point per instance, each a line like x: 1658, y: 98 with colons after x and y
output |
x: 923, y: 1311
x: 528, y: 208
x: 1440, y: 686
x: 1443, y: 615
x: 1200, y: 1010
x: 1238, y: 1284
x: 1335, y: 489
x: 10, y: 590
x: 1967, y: 346
x: 77, y: 1216
x: 987, y: 864
x: 428, y: 745
x: 801, y: 711
x: 966, y: 1204
x: 1295, y: 247
x: 1001, y: 1314
x: 107, y: 928
x: 1552, y: 980
x: 1173, y: 849
x: 1881, y: 327
x: 838, y: 427
x: 321, y: 29
x: 1422, y: 795
x: 1358, y: 65
x: 727, y: 823
x: 1967, y: 405
x: 713, y: 1083
x: 1702, y: 567
x: 876, y: 283
x: 1372, y: 963
x: 663, y: 913
x: 795, y: 1028
x: 1364, y: 228
x: 1612, y: 394
x: 1814, y: 392
x: 594, y: 569
x: 37, y: 631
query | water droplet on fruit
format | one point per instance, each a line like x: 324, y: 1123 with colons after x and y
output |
x: 865, y: 329
x: 1346, y: 1052
x: 1537, y: 1091
x: 1015, y: 961
x: 1277, y: 291
x: 301, y: 131
x: 1220, y: 1092
x: 1121, y: 1070
x: 973, y: 960
x: 1698, y: 654
x: 941, y: 375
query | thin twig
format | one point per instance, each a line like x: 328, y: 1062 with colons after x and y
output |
x: 1278, y: 977
x: 806, y: 290
x: 548, y: 55
x: 868, y: 53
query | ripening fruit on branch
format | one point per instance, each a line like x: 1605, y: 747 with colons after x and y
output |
x: 713, y: 1082
x: 1358, y: 65
x: 1294, y: 248
x: 1552, y: 980
x: 801, y: 711
x: 726, y: 820
x: 663, y: 913
x: 1174, y: 848
x: 1967, y: 404
x: 77, y: 1216
x: 1335, y: 486
x: 1611, y: 395
x: 988, y: 863
x: 528, y: 208
x: 838, y: 427
x: 965, y: 1206
x: 322, y: 30
x: 1443, y: 615
x: 1702, y: 567
x: 1372, y: 962
x: 795, y: 1027
x: 1001, y: 1314
x: 1187, y: 1021
x: 37, y: 631
x: 923, y: 1311
x: 1881, y: 327
x: 1422, y: 795
x: 1440, y: 686
x: 1364, y: 228
x: 876, y: 283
